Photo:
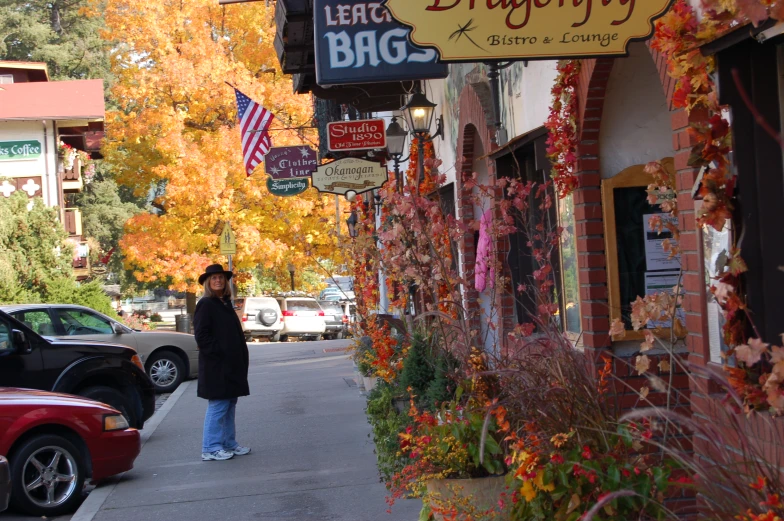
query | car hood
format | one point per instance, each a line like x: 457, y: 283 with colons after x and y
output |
x: 61, y: 340
x: 15, y: 396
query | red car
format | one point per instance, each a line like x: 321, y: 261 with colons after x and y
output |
x: 54, y: 442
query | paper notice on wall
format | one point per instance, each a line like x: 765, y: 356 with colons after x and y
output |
x: 714, y: 332
x: 663, y: 282
x: 655, y: 256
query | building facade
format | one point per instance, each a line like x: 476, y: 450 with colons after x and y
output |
x: 47, y: 130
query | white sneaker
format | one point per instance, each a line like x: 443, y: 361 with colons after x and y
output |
x: 239, y: 451
x: 218, y: 455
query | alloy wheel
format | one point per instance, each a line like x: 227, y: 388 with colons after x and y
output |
x: 50, y: 476
x: 163, y: 372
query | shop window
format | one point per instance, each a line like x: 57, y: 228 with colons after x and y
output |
x: 525, y: 164
x: 758, y: 161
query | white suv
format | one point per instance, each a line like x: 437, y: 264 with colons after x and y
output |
x: 261, y: 317
x: 302, y: 318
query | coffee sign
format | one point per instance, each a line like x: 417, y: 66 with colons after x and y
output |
x: 349, y: 174
x: 478, y: 30
x: 286, y: 187
x: 15, y: 150
x: 365, y: 134
x: 290, y: 162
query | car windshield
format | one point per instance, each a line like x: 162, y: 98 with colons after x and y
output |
x: 331, y: 307
x: 303, y: 305
x: 256, y: 304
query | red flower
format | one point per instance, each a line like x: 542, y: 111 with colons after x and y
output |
x: 587, y: 452
x: 557, y: 459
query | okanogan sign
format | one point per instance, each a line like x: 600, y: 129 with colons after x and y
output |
x: 349, y: 174
x: 479, y: 30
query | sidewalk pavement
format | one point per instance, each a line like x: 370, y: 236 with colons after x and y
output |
x: 312, y: 456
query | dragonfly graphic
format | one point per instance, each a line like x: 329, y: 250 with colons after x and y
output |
x: 463, y: 30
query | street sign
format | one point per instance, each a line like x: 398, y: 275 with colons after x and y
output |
x: 351, y: 173
x: 359, y: 42
x: 363, y: 134
x: 481, y: 31
x: 287, y: 187
x: 290, y: 162
x: 228, y: 244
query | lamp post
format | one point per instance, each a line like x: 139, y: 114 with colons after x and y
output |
x: 419, y: 115
x: 396, y: 144
x: 291, y: 272
x: 351, y: 222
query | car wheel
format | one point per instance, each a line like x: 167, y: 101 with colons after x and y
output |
x: 166, y: 370
x: 339, y: 336
x: 284, y: 338
x: 248, y: 338
x: 114, y: 398
x: 47, y: 476
x: 275, y: 337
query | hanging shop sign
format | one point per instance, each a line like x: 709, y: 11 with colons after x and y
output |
x: 287, y: 187
x: 349, y: 174
x: 479, y: 30
x: 359, y: 42
x: 364, y: 134
x: 15, y: 150
x: 290, y: 162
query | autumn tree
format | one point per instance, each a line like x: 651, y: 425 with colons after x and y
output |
x: 175, y: 138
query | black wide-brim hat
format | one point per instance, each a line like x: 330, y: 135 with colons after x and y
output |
x: 212, y: 270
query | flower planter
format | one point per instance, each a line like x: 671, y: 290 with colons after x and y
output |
x: 482, y: 493
x: 370, y: 382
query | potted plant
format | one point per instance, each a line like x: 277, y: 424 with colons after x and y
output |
x: 457, y: 463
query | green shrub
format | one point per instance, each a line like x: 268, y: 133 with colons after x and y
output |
x: 442, y: 387
x: 65, y: 290
x: 156, y: 317
x: 418, y: 368
x: 387, y: 424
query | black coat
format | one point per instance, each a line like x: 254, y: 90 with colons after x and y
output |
x: 223, y: 353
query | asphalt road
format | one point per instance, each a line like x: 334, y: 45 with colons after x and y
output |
x: 312, y: 459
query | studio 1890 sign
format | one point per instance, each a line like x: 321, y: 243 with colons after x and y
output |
x: 478, y: 30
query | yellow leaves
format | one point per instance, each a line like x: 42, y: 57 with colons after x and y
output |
x: 617, y: 329
x: 647, y: 344
x: 664, y: 366
x: 175, y: 136
x: 642, y: 364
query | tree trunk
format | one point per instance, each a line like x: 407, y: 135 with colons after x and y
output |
x: 56, y: 21
x: 190, y: 303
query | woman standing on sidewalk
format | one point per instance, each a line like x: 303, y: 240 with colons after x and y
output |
x: 223, y: 364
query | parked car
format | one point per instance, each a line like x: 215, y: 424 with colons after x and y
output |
x: 302, y: 318
x: 5, y: 483
x: 168, y: 357
x: 108, y: 373
x: 260, y: 316
x: 55, y: 442
x: 335, y: 320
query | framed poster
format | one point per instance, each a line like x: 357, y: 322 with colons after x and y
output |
x: 636, y: 264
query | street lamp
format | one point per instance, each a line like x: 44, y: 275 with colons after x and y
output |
x: 291, y: 272
x: 419, y: 114
x: 352, y: 225
x: 396, y: 144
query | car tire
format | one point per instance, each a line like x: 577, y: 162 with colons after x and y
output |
x: 284, y: 338
x: 166, y: 370
x: 248, y: 338
x: 114, y: 398
x: 25, y: 472
x: 338, y: 336
x: 275, y: 337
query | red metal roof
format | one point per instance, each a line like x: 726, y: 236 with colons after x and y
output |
x: 56, y: 100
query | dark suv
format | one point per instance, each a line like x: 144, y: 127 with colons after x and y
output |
x: 107, y: 373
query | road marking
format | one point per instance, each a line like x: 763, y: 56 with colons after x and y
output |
x: 100, y: 494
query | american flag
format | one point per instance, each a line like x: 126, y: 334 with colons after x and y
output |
x: 255, y: 120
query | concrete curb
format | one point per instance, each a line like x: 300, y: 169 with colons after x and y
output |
x: 98, y: 496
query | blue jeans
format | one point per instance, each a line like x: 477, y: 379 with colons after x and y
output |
x: 219, y: 428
